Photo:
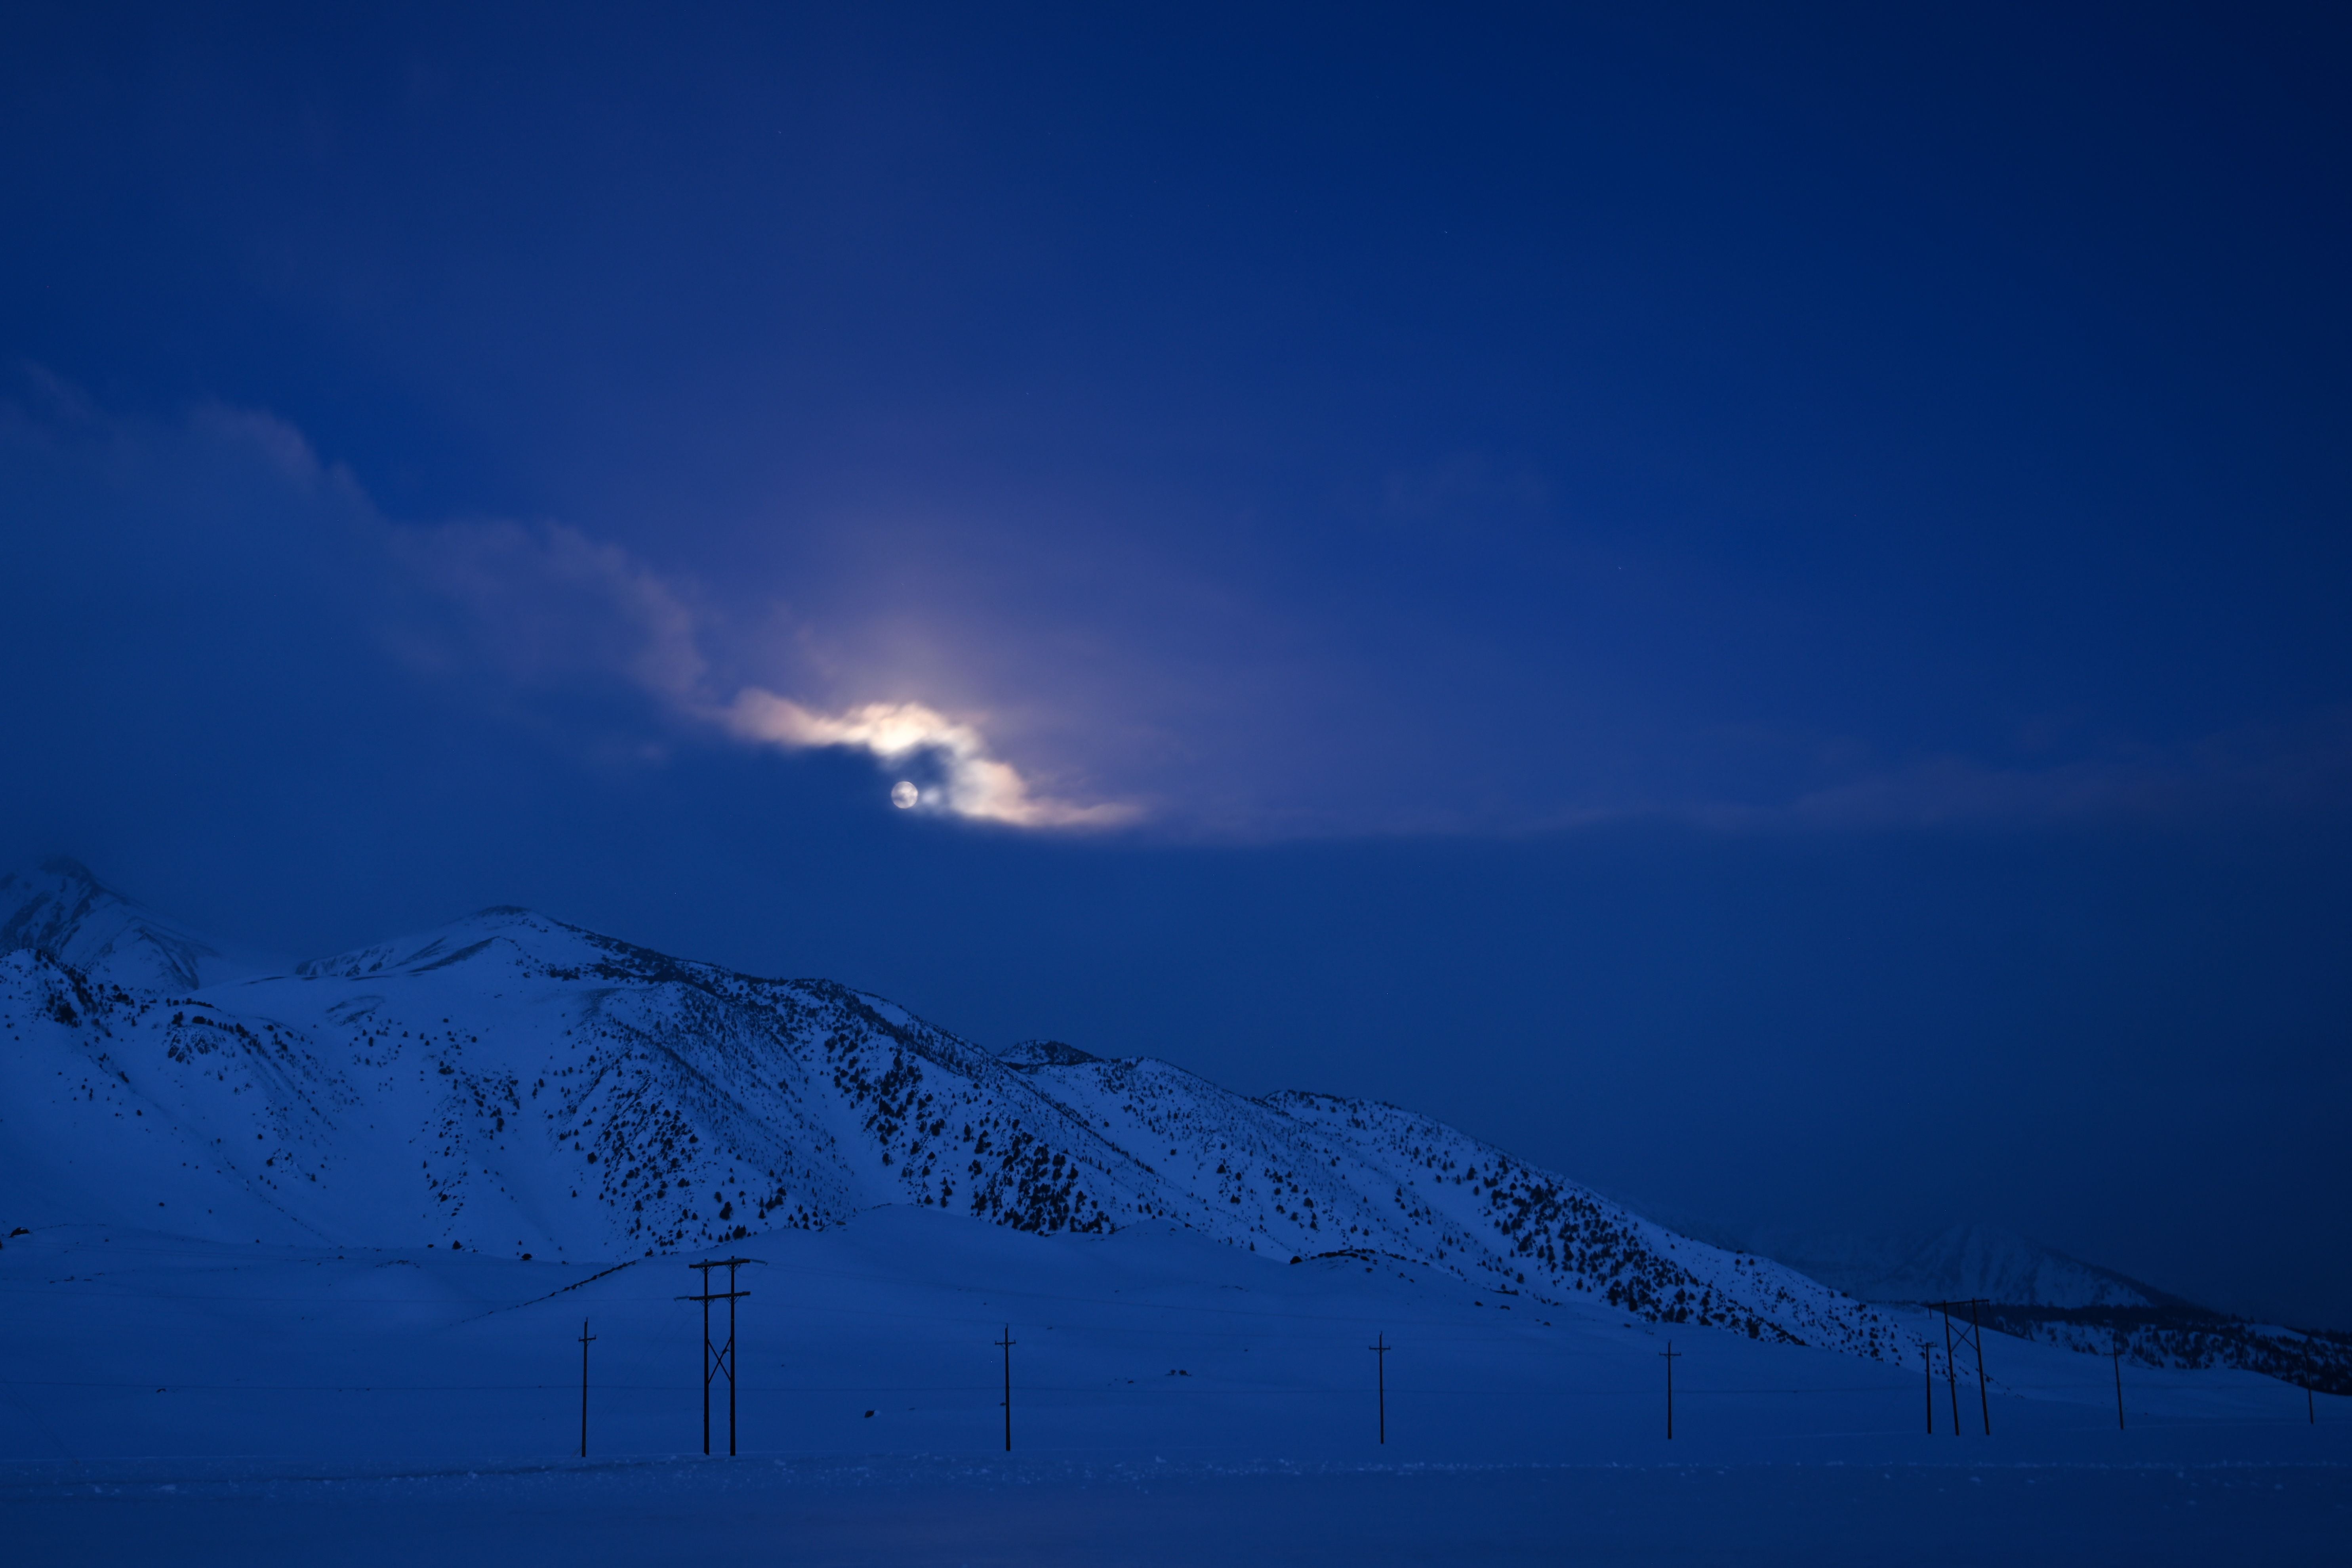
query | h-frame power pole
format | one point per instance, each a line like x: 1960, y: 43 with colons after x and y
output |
x: 1957, y: 1334
x: 718, y: 1358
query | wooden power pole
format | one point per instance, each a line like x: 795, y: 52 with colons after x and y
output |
x: 1006, y: 1344
x: 585, y: 1338
x: 2118, y: 1354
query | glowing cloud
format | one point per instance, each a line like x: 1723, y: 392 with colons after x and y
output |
x: 976, y: 784
x: 546, y: 603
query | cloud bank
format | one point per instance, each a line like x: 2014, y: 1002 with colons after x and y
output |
x: 221, y: 554
x: 214, y: 568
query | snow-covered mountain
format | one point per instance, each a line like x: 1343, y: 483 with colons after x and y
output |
x: 60, y: 908
x: 1954, y: 1264
x: 513, y: 1084
x: 2036, y: 1292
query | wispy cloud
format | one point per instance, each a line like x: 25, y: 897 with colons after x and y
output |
x: 2267, y: 767
x: 543, y: 603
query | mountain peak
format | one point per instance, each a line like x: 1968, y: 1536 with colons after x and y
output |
x: 508, y: 927
x: 61, y: 908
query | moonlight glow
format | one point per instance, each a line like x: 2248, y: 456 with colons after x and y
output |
x: 904, y: 795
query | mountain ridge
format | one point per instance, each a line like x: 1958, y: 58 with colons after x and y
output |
x: 509, y: 1082
x: 1954, y: 1262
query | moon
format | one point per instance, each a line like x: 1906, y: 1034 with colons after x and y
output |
x: 904, y: 795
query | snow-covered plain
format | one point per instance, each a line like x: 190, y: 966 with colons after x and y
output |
x: 234, y: 1326
x: 1174, y: 1401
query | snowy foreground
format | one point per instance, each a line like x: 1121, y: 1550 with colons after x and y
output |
x: 1175, y: 1400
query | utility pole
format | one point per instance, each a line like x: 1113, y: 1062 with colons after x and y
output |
x: 1670, y: 1354
x: 1976, y: 1334
x: 716, y: 1358
x: 2118, y: 1354
x: 1955, y: 1336
x: 1927, y: 1381
x: 1006, y: 1344
x: 1379, y: 1349
x: 2310, y: 1407
x: 585, y: 1337
x: 1951, y: 1382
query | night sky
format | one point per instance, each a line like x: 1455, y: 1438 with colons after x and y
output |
x: 1752, y: 607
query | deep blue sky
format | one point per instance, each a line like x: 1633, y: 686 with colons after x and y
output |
x: 1751, y: 607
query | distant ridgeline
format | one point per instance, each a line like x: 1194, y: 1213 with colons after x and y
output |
x: 2180, y: 1335
x: 515, y: 1085
x: 2039, y: 1293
